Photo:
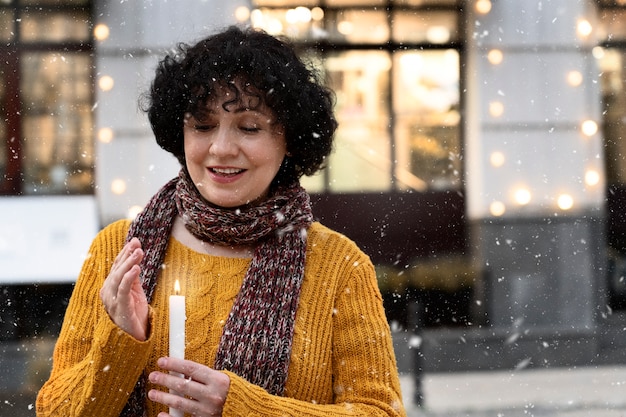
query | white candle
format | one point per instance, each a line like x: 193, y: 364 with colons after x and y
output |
x: 177, y: 334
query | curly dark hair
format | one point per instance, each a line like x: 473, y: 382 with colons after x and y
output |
x: 268, y: 67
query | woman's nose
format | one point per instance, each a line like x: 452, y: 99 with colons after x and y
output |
x: 223, y: 143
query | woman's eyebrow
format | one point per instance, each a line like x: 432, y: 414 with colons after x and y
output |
x: 259, y: 111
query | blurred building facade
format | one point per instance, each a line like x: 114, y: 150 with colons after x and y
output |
x: 479, y: 159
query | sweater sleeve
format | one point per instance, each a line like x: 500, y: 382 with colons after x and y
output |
x: 365, y: 377
x: 95, y: 363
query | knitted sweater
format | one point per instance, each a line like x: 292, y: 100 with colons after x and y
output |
x: 342, y: 359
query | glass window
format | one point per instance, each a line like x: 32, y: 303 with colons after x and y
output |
x: 361, y: 160
x: 299, y: 24
x: 613, y: 24
x: 49, y: 26
x: 611, y: 61
x: 397, y: 89
x: 7, y: 17
x: 57, y: 122
x: 357, y: 26
x: 438, y: 27
x: 427, y: 128
x: 614, y: 102
x: 47, y: 98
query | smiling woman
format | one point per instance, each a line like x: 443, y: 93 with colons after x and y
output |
x: 233, y: 150
x: 275, y: 302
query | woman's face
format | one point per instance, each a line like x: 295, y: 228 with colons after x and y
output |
x: 233, y: 154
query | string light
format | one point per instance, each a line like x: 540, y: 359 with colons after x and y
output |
x: 584, y: 28
x: 497, y: 159
x: 101, y: 32
x: 118, y: 186
x: 483, y: 6
x: 105, y: 135
x: 133, y: 211
x: 574, y: 78
x: 106, y: 83
x: 592, y: 177
x: 495, y: 56
x: 497, y: 208
x: 496, y: 108
x: 589, y: 127
x: 242, y: 13
x: 565, y: 201
x: 522, y: 196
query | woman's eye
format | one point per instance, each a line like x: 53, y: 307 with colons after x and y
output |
x: 250, y: 129
x: 203, y: 128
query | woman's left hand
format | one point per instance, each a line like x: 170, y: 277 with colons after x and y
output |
x: 204, y: 389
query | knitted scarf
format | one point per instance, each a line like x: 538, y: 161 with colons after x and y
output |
x: 256, y: 339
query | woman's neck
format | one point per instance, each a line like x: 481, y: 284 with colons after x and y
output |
x: 180, y: 233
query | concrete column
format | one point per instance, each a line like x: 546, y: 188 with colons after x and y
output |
x: 535, y: 176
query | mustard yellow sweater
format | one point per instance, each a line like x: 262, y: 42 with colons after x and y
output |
x: 342, y: 360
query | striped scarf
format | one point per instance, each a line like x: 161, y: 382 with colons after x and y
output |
x: 256, y: 340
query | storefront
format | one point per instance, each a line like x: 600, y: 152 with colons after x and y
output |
x: 479, y: 159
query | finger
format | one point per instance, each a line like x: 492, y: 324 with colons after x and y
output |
x: 173, y: 381
x: 126, y: 271
x: 187, y: 405
x: 191, y: 369
x: 169, y: 399
x: 200, y: 382
x: 126, y: 251
x: 184, y: 394
x: 126, y: 283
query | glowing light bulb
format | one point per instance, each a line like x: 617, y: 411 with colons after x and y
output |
x: 106, y: 83
x: 133, y: 211
x: 483, y: 6
x: 242, y: 13
x: 495, y: 56
x: 317, y: 13
x: 497, y: 208
x: 522, y: 196
x: 101, y: 32
x: 118, y: 186
x: 345, y: 27
x: 584, y: 28
x: 497, y: 159
x: 589, y: 127
x: 592, y: 177
x: 565, y: 202
x: 105, y: 135
x: 496, y: 108
x: 574, y: 78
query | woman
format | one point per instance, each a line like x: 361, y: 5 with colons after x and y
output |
x: 283, y: 315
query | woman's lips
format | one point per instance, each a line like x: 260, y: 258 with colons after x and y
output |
x: 224, y: 175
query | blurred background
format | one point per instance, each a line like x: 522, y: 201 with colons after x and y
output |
x: 480, y: 162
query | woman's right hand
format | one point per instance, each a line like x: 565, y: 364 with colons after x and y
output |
x: 122, y: 295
